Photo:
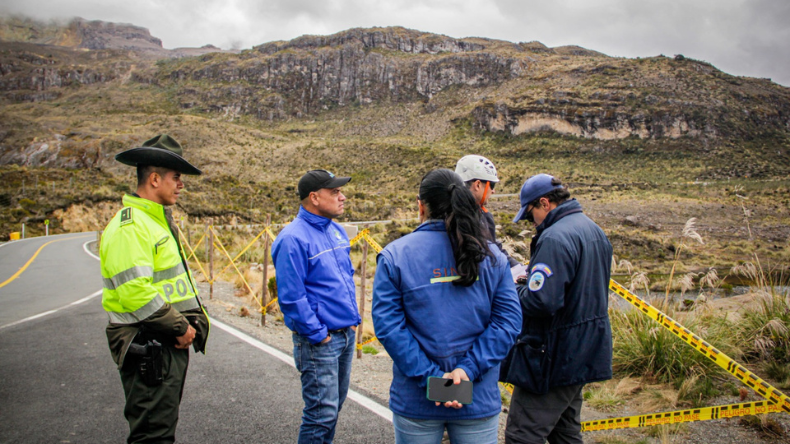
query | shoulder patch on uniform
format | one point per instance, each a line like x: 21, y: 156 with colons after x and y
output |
x: 543, y: 268
x: 536, y: 281
x: 126, y: 216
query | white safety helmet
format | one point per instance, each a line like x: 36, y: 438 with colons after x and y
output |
x: 474, y: 167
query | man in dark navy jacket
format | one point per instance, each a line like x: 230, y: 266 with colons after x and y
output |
x: 566, y: 337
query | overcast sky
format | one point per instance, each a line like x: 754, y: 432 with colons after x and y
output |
x: 741, y: 37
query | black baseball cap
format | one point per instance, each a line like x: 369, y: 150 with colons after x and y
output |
x: 316, y: 179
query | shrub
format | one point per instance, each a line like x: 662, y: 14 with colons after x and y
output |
x: 765, y: 327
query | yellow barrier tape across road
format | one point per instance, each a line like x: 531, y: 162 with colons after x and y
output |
x: 678, y: 416
x: 764, y: 389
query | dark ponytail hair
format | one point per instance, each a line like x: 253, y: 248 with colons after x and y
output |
x: 446, y: 197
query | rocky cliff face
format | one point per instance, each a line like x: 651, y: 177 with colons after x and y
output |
x: 311, y: 74
x: 32, y: 73
x: 103, y: 35
x: 499, y: 86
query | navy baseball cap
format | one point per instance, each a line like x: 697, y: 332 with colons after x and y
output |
x: 535, y: 187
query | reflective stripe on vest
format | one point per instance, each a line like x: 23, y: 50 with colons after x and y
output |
x: 138, y: 315
x: 170, y: 273
x: 137, y: 272
x: 126, y: 276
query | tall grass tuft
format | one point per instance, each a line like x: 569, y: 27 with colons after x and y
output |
x: 643, y: 347
x: 689, y: 233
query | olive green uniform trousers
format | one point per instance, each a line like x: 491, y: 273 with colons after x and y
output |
x: 152, y: 412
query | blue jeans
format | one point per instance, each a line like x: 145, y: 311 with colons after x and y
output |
x: 326, y: 373
x: 430, y: 431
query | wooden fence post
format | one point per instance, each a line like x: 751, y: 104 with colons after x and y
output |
x: 265, y: 286
x: 211, y: 262
x: 360, y: 327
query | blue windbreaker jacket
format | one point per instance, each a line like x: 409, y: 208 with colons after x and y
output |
x: 430, y: 326
x: 315, y: 283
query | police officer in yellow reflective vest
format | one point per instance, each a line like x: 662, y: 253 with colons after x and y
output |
x: 149, y: 294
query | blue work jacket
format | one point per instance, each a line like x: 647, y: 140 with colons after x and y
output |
x: 566, y: 337
x: 430, y: 326
x: 315, y: 283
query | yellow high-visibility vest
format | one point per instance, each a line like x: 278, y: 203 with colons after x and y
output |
x: 141, y: 264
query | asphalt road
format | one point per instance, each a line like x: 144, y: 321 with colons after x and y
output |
x: 58, y: 383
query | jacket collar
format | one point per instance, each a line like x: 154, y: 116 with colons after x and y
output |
x: 564, y: 209
x: 432, y: 225
x: 315, y: 220
x: 155, y: 210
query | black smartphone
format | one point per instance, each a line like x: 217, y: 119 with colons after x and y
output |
x: 443, y: 390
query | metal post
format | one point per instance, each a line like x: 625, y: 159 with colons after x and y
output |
x: 211, y: 262
x: 265, y: 286
x: 363, y: 270
x: 23, y: 231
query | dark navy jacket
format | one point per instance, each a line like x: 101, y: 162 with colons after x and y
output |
x: 315, y: 278
x: 488, y: 223
x: 566, y: 337
x: 430, y: 326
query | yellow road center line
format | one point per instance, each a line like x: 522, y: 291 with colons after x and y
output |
x: 24, y: 267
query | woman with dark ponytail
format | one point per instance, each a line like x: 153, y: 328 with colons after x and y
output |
x: 445, y: 305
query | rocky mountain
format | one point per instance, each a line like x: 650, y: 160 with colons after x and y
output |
x: 79, y: 33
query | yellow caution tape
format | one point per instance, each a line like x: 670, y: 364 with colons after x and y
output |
x: 218, y: 243
x: 762, y: 388
x: 372, y: 242
x: 183, y: 238
x: 359, y: 346
x: 679, y: 416
x: 356, y: 238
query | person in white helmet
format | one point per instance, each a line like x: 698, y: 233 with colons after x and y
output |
x: 479, y: 175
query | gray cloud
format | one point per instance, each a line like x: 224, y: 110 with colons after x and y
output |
x: 739, y: 37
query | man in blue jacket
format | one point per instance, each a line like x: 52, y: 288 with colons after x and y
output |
x: 566, y: 337
x: 317, y: 297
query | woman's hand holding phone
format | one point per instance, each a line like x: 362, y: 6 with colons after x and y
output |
x: 457, y: 376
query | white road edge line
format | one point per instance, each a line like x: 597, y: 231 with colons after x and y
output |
x: 357, y: 397
x: 85, y: 247
x: 46, y: 313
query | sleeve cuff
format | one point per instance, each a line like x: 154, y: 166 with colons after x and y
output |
x: 316, y: 338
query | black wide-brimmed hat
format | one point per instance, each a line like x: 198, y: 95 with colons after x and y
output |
x: 162, y: 151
